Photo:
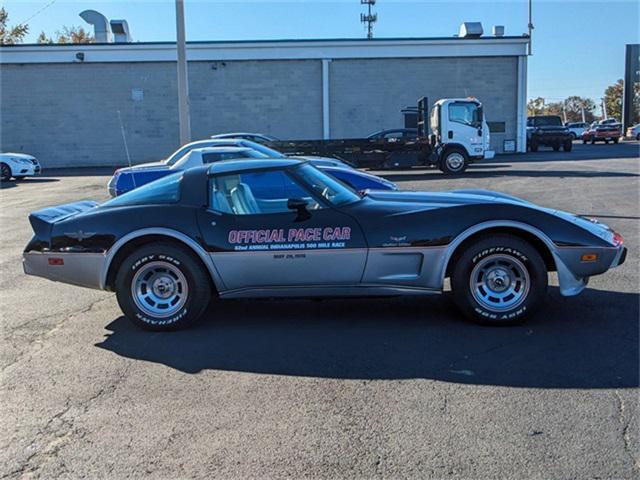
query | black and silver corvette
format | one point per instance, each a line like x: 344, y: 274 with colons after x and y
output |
x: 282, y: 228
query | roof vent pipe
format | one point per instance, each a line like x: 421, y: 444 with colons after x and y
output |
x: 120, y: 29
x: 101, y: 29
x: 471, y: 30
x: 498, y: 30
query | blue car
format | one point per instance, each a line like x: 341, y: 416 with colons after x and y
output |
x: 126, y: 179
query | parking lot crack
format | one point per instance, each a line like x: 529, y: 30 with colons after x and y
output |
x: 37, y: 340
x: 624, y: 433
x: 60, y: 428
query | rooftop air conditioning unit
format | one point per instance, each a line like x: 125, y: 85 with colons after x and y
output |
x: 498, y: 30
x: 471, y: 30
x: 120, y: 29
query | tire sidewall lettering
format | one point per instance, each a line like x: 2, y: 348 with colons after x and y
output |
x: 165, y: 258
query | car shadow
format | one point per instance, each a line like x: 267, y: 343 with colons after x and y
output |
x: 14, y: 183
x: 515, y: 172
x: 590, y: 341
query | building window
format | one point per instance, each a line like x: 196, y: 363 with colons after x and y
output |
x: 497, y: 127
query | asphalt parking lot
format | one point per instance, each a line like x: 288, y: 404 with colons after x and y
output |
x: 339, y: 388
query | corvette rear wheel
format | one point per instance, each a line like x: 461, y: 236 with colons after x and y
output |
x: 162, y: 287
x: 5, y: 172
x: 499, y: 280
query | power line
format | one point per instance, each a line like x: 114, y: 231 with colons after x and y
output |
x: 38, y: 12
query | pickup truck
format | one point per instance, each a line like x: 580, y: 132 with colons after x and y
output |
x: 549, y: 131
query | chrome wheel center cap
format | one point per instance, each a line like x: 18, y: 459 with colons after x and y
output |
x: 163, y: 287
x: 498, y: 280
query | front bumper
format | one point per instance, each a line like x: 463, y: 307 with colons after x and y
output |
x: 549, y: 139
x: 26, y: 170
x: 82, y: 269
x: 574, y: 273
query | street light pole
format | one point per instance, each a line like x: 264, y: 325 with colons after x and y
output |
x: 183, y: 82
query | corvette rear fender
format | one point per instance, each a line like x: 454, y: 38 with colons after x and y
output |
x: 569, y: 283
x: 162, y: 232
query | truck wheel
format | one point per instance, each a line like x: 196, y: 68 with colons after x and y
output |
x: 568, y: 145
x: 534, y: 146
x: 556, y: 147
x: 606, y: 142
x: 573, y: 136
x: 454, y: 161
x: 593, y: 140
x: 616, y: 140
x: 162, y: 287
x: 5, y: 172
x: 499, y: 280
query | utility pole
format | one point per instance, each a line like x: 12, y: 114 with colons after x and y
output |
x: 583, y: 118
x: 183, y: 81
x: 530, y: 27
x: 369, y: 18
x: 604, y: 109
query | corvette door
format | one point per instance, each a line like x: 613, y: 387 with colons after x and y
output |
x: 262, y: 229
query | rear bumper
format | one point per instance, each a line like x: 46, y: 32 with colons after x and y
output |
x: 82, y: 269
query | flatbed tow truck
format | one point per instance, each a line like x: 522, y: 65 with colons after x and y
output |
x: 451, y: 137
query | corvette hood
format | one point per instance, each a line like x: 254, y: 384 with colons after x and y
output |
x: 454, y: 197
x: 420, y: 201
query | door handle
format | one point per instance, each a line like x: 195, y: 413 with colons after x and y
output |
x: 450, y: 134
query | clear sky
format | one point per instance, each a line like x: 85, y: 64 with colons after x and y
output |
x: 578, y: 45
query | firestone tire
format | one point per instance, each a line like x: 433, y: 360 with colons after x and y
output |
x: 568, y: 145
x: 522, y: 274
x: 162, y: 287
x: 616, y: 140
x: 454, y: 160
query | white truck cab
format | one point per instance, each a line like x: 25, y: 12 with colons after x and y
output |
x: 461, y: 133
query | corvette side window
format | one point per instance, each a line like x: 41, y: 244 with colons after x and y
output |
x: 256, y: 193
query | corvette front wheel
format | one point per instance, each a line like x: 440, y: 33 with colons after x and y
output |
x: 162, y: 287
x: 499, y: 280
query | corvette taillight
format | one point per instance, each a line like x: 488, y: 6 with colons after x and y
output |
x: 617, y: 239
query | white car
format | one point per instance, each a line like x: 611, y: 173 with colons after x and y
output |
x: 634, y: 132
x: 18, y: 166
x: 576, y: 129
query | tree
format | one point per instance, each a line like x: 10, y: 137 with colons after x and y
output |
x: 573, y: 107
x: 42, y: 38
x: 613, y: 99
x: 10, y: 35
x: 74, y: 35
x: 68, y: 35
x: 535, y: 106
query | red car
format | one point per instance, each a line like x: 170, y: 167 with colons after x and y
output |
x: 602, y: 132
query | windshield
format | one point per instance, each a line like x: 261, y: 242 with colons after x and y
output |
x: 164, y: 190
x: 332, y: 190
x: 181, y: 152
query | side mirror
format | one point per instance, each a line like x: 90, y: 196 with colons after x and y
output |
x: 300, y: 205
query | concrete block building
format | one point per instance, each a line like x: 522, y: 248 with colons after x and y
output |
x: 66, y: 103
